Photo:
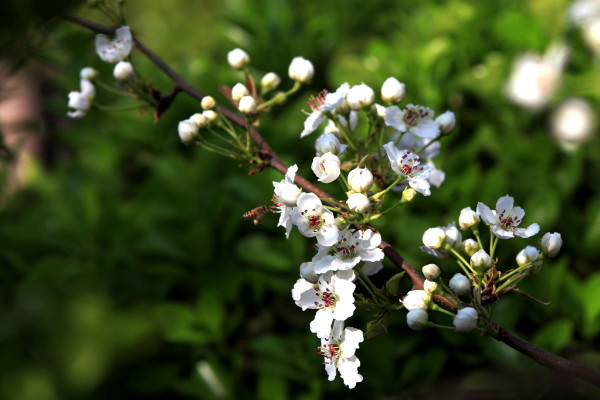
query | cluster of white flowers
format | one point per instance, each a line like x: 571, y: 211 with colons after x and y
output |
x: 188, y: 129
x: 111, y: 51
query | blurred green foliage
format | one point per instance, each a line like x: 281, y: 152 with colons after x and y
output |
x: 126, y: 271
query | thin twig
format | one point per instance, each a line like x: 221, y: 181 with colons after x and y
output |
x: 537, y: 354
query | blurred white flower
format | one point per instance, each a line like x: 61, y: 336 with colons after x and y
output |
x: 360, y: 96
x: 112, y: 51
x: 392, y: 90
x: 301, y: 70
x: 417, y: 319
x: 238, y: 58
x: 466, y: 319
x: 572, y: 123
x: 123, y: 71
x: 460, y: 284
x: 358, y: 202
x: 551, y: 243
x: 417, y: 120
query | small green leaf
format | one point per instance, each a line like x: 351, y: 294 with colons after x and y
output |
x: 393, y: 284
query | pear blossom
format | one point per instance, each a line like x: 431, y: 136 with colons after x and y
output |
x: 238, y: 91
x: 417, y: 120
x: 247, y: 105
x: 358, y: 202
x: 301, y: 286
x: 208, y: 103
x: 468, y: 218
x: 352, y: 247
x: 551, y: 243
x: 466, y: 319
x: 572, y: 123
x: 481, y: 261
x: 534, y: 78
x: 323, y: 102
x: 416, y: 300
x: 407, y: 164
x: 360, y: 96
x: 307, y: 271
x: 417, y: 319
x: 113, y: 51
x: 339, y: 350
x: 528, y: 255
x: 301, y: 70
x: 431, y: 272
x: 332, y: 297
x: 238, y: 58
x: 269, y: 82
x: 434, y: 238
x: 460, y: 284
x: 430, y: 287
x: 326, y: 167
x: 199, y: 120
x: 392, y: 90
x: 360, y: 179
x: 123, y: 71
x: 506, y: 219
x: 469, y: 247
x: 81, y: 101
x: 285, y: 198
x: 447, y: 122
x: 187, y: 130
x: 453, y: 236
x: 329, y: 143
x: 314, y: 220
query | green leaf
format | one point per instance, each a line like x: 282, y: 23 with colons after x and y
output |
x: 393, y: 284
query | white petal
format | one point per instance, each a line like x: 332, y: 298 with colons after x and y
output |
x: 312, y: 122
x: 393, y: 118
x: 331, y: 370
x: 501, y: 233
x: 420, y: 185
x: 352, y: 337
x: 504, y: 204
x: 327, y: 235
x: 528, y: 232
x: 349, y: 371
x: 426, y: 129
x: 486, y: 214
x: 518, y: 212
x: 371, y: 268
x: 301, y: 286
x: 321, y: 325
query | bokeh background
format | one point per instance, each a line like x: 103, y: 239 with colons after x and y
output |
x: 126, y: 271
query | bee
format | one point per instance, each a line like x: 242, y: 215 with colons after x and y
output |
x: 256, y: 214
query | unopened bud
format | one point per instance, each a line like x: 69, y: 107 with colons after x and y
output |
x: 431, y: 272
x: 434, y: 238
x: 123, y: 71
x: 408, y: 194
x: 528, y: 255
x: 481, y: 261
x: 466, y: 319
x: 392, y: 90
x: 307, y: 271
x: 447, y: 122
x: 301, y: 70
x: 211, y: 116
x: 328, y: 143
x: 360, y: 97
x: 208, y: 103
x: 430, y: 287
x: 88, y: 73
x: 199, y: 119
x: 469, y: 247
x: 238, y: 91
x: 238, y: 58
x: 417, y: 319
x: 460, y: 284
x: 468, y: 218
x: 453, y: 236
x: 247, y: 105
x: 551, y: 244
x: 187, y: 131
x: 360, y: 179
x: 358, y: 202
x: 269, y: 82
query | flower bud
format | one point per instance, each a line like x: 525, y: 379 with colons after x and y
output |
x: 460, y: 284
x: 328, y: 143
x: 551, y: 244
x: 481, y: 261
x: 187, y: 131
x: 210, y: 115
x: 528, y: 255
x: 358, y: 202
x: 301, y: 70
x: 431, y: 272
x: 467, y: 218
x: 392, y: 90
x: 238, y: 91
x: 247, y: 105
x: 238, y: 58
x: 123, y: 71
x: 360, y: 179
x: 340, y: 223
x: 378, y: 110
x: 408, y: 194
x: 430, y: 287
x: 88, y: 73
x: 288, y: 194
x: 453, y: 236
x: 416, y: 300
x: 326, y: 167
x: 360, y: 97
x: 573, y: 123
x: 307, y: 271
x: 447, y: 122
x: 332, y: 128
x: 417, y: 319
x: 208, y: 103
x: 469, y: 247
x: 199, y: 120
x: 269, y: 82
x: 466, y: 319
x: 434, y: 238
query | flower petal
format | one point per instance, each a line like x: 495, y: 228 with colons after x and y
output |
x: 527, y: 232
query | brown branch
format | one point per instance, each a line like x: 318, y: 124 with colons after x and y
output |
x: 540, y: 356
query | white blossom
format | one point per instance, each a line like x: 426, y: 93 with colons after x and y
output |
x: 460, y: 284
x: 187, y: 130
x: 447, y: 122
x: 469, y: 247
x: 417, y: 319
x: 431, y: 272
x: 528, y: 255
x: 408, y: 164
x: 358, y: 202
x: 88, y: 73
x: 332, y: 297
x: 326, y: 167
x: 339, y: 351
x: 360, y: 179
x: 238, y: 91
x: 301, y: 70
x: 417, y: 120
x: 430, y: 287
x: 572, y: 123
x: 247, y: 105
x: 416, y: 300
x: 481, y: 261
x: 285, y: 198
x: 434, y: 238
x: 321, y: 103
x: 352, y: 247
x: 314, y: 220
x: 123, y: 71
x: 506, y: 219
x: 81, y: 101
x: 238, y: 58
x: 113, y: 51
x: 360, y: 97
x: 329, y: 143
x: 269, y: 82
x: 453, y: 236
x: 468, y: 218
x: 392, y: 90
x: 208, y: 103
x: 551, y: 243
x: 466, y: 319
